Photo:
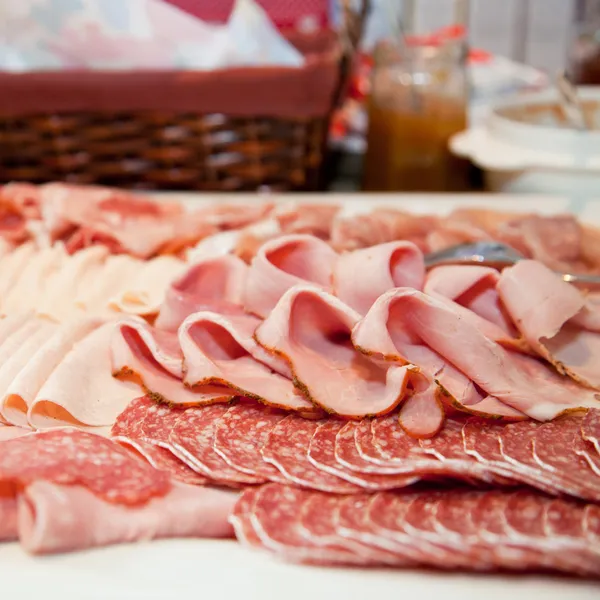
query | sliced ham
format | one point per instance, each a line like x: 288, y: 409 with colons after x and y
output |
x: 553, y: 316
x: 221, y: 350
x: 311, y: 329
x: 81, y: 389
x: 314, y: 219
x: 283, y: 263
x: 57, y: 303
x: 35, y: 275
x: 12, y: 266
x: 18, y: 396
x: 519, y: 381
x: 10, y: 324
x: 58, y: 518
x: 152, y: 359
x: 225, y: 216
x: 212, y: 284
x: 360, y: 277
x: 146, y: 292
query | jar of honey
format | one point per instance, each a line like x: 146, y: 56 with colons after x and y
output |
x: 418, y: 100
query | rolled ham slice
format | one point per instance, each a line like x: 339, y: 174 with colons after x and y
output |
x: 57, y: 303
x: 59, y: 518
x: 146, y: 292
x: 555, y: 319
x: 152, y: 359
x: 473, y: 287
x: 360, y: 277
x: 81, y: 390
x: 283, y: 263
x: 518, y: 381
x: 311, y: 329
x: 215, y: 284
x: 221, y: 350
x: 18, y: 396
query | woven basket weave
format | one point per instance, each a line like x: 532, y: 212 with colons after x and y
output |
x: 236, y: 129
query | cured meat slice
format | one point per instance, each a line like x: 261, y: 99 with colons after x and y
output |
x: 382, y: 268
x: 240, y: 435
x: 519, y: 381
x: 191, y: 440
x: 544, y: 308
x: 590, y: 428
x: 214, y: 284
x: 70, y: 456
x: 559, y: 448
x: 146, y: 291
x: 129, y: 422
x: 11, y: 324
x: 422, y: 415
x: 12, y: 266
x: 312, y: 330
x: 18, y: 396
x: 57, y: 518
x: 287, y: 449
x: 57, y: 302
x: 8, y: 516
x: 591, y: 524
x: 81, y: 389
x: 321, y: 453
x: 313, y: 219
x: 283, y: 263
x: 473, y: 287
x: 274, y: 516
x: 240, y: 519
x: 221, y: 350
x: 8, y: 432
x: 153, y: 359
x: 233, y: 215
x: 318, y: 525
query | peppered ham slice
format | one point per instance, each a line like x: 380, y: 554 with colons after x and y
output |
x: 284, y: 263
x: 152, y: 358
x: 312, y: 330
x: 214, y: 284
x: 57, y: 518
x: 381, y: 268
x: 221, y: 350
x: 518, y: 381
x: 551, y: 315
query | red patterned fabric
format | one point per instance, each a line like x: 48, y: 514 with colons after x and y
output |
x: 298, y: 14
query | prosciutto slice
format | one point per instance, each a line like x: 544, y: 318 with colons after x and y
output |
x: 518, y: 381
x: 221, y: 350
x: 145, y: 294
x: 555, y: 319
x: 360, y: 277
x: 81, y: 390
x: 153, y: 359
x: 18, y: 396
x: 58, y: 518
x: 212, y: 284
x: 311, y: 329
x: 283, y: 263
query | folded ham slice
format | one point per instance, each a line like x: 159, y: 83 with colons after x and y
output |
x: 146, y: 292
x: 311, y: 329
x: 283, y: 263
x: 212, y: 284
x: 12, y: 266
x: 221, y: 350
x: 152, y: 359
x: 555, y: 319
x: 58, y: 518
x: 20, y: 393
x: 81, y: 390
x: 360, y: 277
x: 518, y: 381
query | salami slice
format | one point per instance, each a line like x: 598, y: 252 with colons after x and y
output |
x: 240, y: 435
x: 287, y: 449
x: 557, y: 448
x: 158, y: 422
x: 321, y: 453
x: 590, y: 428
x: 191, y: 440
x: 71, y: 456
x: 591, y: 525
x: 275, y: 520
x: 129, y: 422
x: 240, y: 519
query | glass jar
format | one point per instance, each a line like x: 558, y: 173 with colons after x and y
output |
x: 418, y: 100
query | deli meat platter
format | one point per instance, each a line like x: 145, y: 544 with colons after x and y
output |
x: 260, y: 395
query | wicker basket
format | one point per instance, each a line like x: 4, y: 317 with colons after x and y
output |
x: 235, y: 129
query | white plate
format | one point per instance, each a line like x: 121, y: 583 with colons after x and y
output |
x: 223, y: 570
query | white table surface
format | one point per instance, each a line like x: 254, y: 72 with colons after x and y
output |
x: 215, y: 570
